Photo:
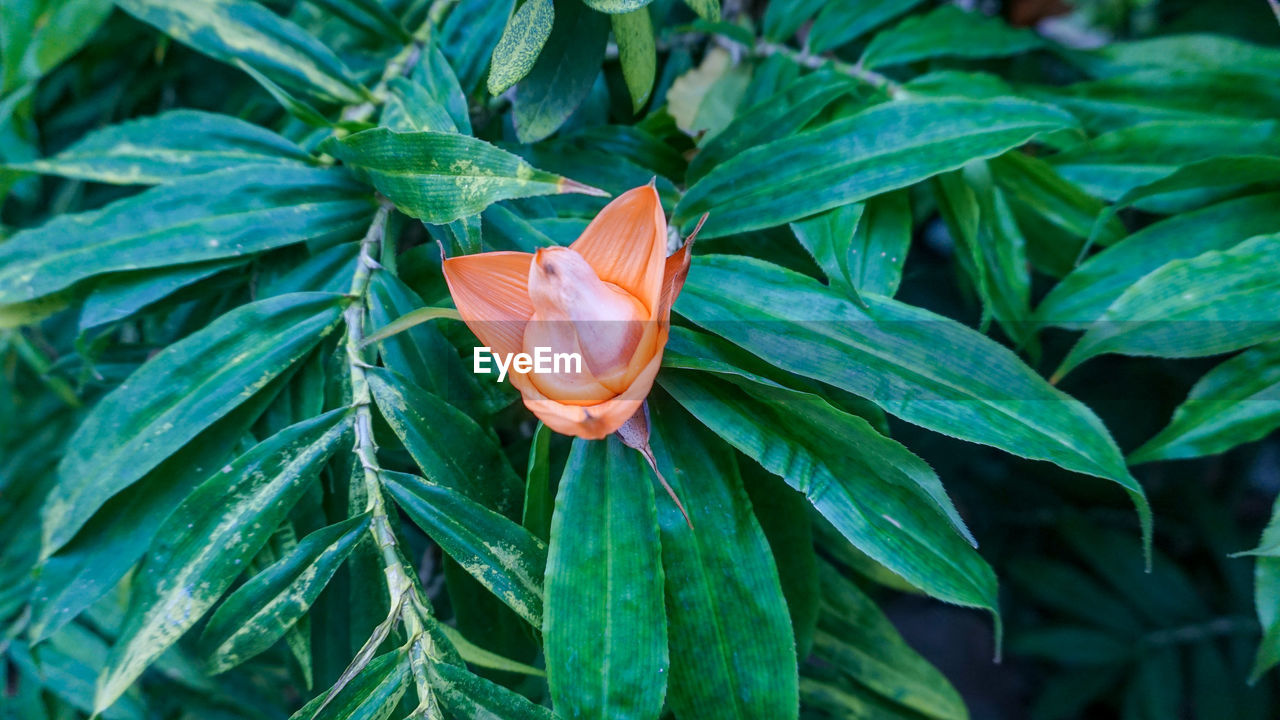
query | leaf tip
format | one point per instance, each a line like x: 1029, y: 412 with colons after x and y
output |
x: 573, y: 186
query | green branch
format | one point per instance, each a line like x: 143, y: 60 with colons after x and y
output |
x: 403, y: 586
x: 869, y: 77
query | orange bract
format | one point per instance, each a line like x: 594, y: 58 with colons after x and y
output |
x: 607, y: 298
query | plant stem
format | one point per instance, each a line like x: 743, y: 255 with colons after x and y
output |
x: 870, y: 77
x: 400, y: 583
x: 400, y: 65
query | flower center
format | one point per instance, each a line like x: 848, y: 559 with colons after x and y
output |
x: 577, y: 312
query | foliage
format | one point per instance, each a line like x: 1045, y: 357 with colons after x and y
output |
x: 959, y: 281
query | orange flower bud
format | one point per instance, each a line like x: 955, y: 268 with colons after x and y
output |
x: 606, y: 298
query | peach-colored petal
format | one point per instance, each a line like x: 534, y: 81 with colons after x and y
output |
x: 626, y: 244
x: 491, y: 292
x: 592, y: 422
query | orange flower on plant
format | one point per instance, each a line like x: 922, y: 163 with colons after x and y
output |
x: 606, y: 298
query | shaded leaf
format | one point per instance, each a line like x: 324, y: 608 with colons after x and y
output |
x: 231, y: 213
x: 855, y: 636
x: 366, y: 15
x: 605, y: 626
x: 1219, y: 301
x: 268, y: 605
x: 883, y: 148
x: 924, y: 368
x: 175, y: 395
x: 727, y: 616
x: 842, y: 22
x: 231, y: 30
x: 172, y: 145
x: 504, y: 557
x: 1083, y: 296
x: 206, y: 542
x: 441, y: 177
x: 883, y: 499
x: 637, y: 51
x: 527, y: 31
x: 450, y: 448
x: 564, y: 73
x: 1235, y: 403
x: 782, y: 114
x: 947, y: 31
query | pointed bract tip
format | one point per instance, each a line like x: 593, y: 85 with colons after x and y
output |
x: 653, y: 182
x: 573, y: 186
x: 697, y: 228
x: 634, y: 433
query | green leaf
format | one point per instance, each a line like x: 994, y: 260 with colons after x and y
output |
x: 478, y: 656
x: 855, y: 636
x: 1216, y: 302
x: 231, y: 213
x: 466, y: 695
x: 295, y: 106
x: 1202, y: 182
x: 373, y: 694
x: 410, y: 108
x: 116, y: 536
x: 708, y: 10
x: 174, y: 396
x: 605, y: 627
x: 1235, y: 403
x: 883, y: 148
x: 992, y: 249
x: 616, y: 7
x: 503, y: 556
x: 883, y: 499
x: 1114, y: 163
x: 828, y: 238
x: 37, y: 36
x: 66, y: 666
x: 1166, y: 95
x: 450, y: 448
x: 564, y: 73
x: 467, y: 38
x: 205, y: 543
x: 118, y: 296
x: 538, y: 502
x: 728, y: 617
x: 527, y: 31
x: 1055, y: 215
x: 633, y: 31
x: 1266, y: 575
x: 240, y: 30
x: 861, y: 246
x: 418, y: 350
x: 258, y: 614
x: 843, y: 22
x: 434, y: 74
x: 1186, y: 51
x: 1083, y: 296
x: 172, y: 145
x: 782, y: 18
x: 779, y: 116
x: 947, y: 31
x: 367, y: 15
x: 440, y: 177
x: 783, y: 514
x: 921, y: 367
